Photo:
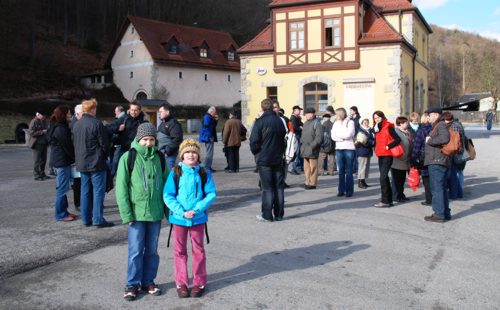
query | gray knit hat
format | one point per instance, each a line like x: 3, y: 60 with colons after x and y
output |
x: 144, y: 130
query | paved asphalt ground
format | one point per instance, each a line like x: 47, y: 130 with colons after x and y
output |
x: 328, y: 253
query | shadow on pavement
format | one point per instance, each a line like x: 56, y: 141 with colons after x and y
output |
x: 282, y: 261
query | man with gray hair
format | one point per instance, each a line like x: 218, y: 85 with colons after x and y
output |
x: 208, y: 135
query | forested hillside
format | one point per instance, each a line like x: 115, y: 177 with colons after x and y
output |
x: 47, y: 44
x: 461, y: 63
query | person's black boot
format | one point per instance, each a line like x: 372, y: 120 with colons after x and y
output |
x: 361, y: 184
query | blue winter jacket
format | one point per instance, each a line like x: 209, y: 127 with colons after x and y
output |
x: 208, y: 128
x: 189, y: 197
x: 366, y: 150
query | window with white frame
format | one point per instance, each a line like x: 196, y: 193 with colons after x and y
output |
x: 131, y: 54
x: 332, y: 33
x: 203, y: 52
x: 230, y: 56
x: 297, y: 36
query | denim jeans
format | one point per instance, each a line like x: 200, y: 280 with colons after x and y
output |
x: 116, y: 159
x: 384, y: 165
x: 143, y: 259
x: 171, y: 159
x: 272, y: 181
x: 63, y: 180
x: 437, y: 178
x: 92, y: 197
x: 345, y: 160
x: 209, y: 153
x: 199, y: 259
x: 453, y: 183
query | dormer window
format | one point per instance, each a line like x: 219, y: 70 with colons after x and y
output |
x: 230, y: 56
x: 172, y: 46
x: 203, y: 52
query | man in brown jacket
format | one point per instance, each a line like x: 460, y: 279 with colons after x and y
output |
x: 39, y: 142
x: 231, y: 137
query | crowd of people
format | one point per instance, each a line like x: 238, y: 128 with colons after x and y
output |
x: 160, y: 174
x: 341, y: 142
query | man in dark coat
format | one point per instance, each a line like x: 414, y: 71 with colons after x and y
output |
x: 312, y: 136
x: 38, y: 141
x: 91, y: 151
x: 296, y: 127
x: 267, y: 143
x: 169, y: 134
x: 126, y: 129
x: 437, y: 164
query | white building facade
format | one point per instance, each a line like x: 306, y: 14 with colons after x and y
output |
x: 180, y: 64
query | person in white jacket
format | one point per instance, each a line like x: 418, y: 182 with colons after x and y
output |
x: 343, y: 131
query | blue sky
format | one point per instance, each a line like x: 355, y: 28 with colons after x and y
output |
x: 479, y: 16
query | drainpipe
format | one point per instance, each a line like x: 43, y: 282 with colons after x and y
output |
x: 413, y: 82
x: 400, y: 22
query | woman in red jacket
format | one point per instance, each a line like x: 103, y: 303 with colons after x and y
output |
x: 385, y: 139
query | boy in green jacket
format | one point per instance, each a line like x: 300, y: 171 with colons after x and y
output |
x: 139, y: 190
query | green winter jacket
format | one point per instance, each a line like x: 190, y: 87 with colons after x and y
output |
x: 140, y: 195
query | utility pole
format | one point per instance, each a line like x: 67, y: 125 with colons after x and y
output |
x: 464, y: 46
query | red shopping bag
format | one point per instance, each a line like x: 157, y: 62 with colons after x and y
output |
x: 413, y: 179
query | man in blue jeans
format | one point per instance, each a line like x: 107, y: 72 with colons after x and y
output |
x: 267, y: 143
x: 91, y: 151
x: 438, y: 165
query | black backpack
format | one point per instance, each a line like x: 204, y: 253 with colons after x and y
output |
x: 327, y: 142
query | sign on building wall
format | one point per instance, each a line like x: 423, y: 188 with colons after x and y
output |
x: 361, y: 95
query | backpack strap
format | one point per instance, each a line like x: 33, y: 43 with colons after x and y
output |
x: 132, y: 154
x: 206, y: 233
x: 169, y: 234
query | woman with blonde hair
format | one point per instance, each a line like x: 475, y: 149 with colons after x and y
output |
x: 343, y: 131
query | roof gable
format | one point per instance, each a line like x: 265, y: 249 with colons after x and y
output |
x: 155, y: 34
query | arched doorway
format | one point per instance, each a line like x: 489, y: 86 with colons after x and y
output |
x: 141, y: 96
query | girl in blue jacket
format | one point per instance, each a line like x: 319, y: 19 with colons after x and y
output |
x: 188, y: 193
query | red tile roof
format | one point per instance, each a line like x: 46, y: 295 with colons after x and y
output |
x: 261, y: 43
x: 377, y: 29
x: 390, y: 5
x: 155, y: 34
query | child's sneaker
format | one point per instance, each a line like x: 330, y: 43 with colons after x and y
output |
x: 197, y: 290
x: 152, y: 289
x: 130, y: 293
x: 182, y: 291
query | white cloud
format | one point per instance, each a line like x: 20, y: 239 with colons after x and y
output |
x: 490, y: 35
x: 430, y: 4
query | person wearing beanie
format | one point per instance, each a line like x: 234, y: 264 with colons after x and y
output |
x: 188, y: 193
x: 139, y: 197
